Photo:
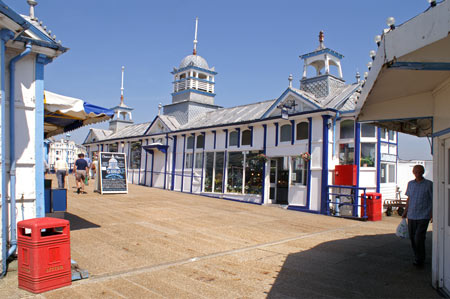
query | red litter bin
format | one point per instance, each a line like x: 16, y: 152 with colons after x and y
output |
x: 43, y: 246
x: 373, y: 206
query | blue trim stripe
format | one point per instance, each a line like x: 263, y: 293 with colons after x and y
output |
x: 226, y: 137
x: 251, y: 135
x: 420, y: 66
x: 440, y: 133
x: 324, y: 196
x: 193, y: 78
x: 239, y: 137
x: 174, y: 161
x: 322, y: 51
x: 292, y: 132
x: 192, y: 164
x: 358, y: 163
x: 41, y: 60
x: 281, y: 98
x: 182, y: 166
x: 194, y: 91
x: 193, y: 68
x: 378, y: 159
x: 308, y: 187
x: 276, y: 134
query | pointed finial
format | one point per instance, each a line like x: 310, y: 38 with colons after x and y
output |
x: 159, y: 108
x: 321, y: 38
x: 32, y: 4
x: 290, y: 80
x: 121, y: 88
x: 358, y: 77
x: 195, y: 37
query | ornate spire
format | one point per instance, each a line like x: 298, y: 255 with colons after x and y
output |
x: 121, y: 88
x: 195, y: 37
x: 321, y: 38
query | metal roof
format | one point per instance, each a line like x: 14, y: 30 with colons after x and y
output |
x: 231, y: 115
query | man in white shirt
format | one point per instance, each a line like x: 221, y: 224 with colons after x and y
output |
x: 61, y: 169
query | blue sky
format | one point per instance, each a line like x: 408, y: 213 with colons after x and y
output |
x: 254, y: 46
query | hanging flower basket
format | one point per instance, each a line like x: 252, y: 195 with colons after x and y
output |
x: 262, y: 158
x: 306, y: 156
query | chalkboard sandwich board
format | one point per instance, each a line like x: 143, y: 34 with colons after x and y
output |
x: 113, y: 173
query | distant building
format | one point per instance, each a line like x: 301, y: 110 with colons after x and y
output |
x: 66, y: 150
x: 281, y: 151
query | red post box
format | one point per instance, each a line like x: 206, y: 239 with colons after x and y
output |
x: 373, y: 206
x: 43, y: 246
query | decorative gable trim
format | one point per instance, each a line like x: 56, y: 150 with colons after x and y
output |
x: 283, y: 96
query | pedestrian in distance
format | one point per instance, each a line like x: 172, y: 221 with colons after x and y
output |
x: 61, y: 169
x: 419, y: 212
x: 80, y: 169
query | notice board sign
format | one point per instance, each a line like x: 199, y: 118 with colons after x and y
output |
x: 113, y: 173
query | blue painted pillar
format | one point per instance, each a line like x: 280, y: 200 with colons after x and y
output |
x: 41, y: 61
x: 184, y: 157
x: 378, y: 159
x: 276, y: 134
x: 292, y: 132
x: 239, y: 137
x: 174, y: 161
x: 357, y: 162
x: 145, y: 167
x: 308, y: 183
x: 325, y: 145
x: 203, y: 160
x: 263, y: 193
x: 165, y: 160
x: 215, y: 135
x: 193, y: 162
x: 251, y: 135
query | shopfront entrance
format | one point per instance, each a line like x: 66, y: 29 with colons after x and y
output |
x: 279, y: 180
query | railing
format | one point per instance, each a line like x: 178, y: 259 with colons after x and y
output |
x: 347, y: 201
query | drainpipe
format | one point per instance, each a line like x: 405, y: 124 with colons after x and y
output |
x: 12, y: 147
x: 5, y: 35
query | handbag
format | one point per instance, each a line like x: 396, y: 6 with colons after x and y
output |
x: 402, y: 229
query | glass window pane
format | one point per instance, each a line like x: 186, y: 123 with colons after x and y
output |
x: 346, y: 153
x: 286, y: 133
x: 218, y: 172
x: 113, y: 147
x: 367, y: 154
x: 347, y: 129
x: 383, y: 133
x: 246, y: 137
x: 235, y: 172
x: 135, y: 155
x: 198, y: 160
x: 253, y: 174
x: 233, y: 138
x: 391, y: 135
x: 383, y: 174
x: 190, y: 142
x: 188, y: 160
x: 302, y: 131
x: 200, y: 141
x: 209, y: 164
x: 299, y: 171
x: 391, y: 173
x: 367, y: 130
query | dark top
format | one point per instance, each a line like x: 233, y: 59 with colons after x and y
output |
x: 81, y: 164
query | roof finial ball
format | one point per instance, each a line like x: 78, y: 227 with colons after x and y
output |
x: 321, y: 38
x: 32, y: 4
x: 290, y: 78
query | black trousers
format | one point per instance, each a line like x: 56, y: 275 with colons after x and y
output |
x: 417, y: 233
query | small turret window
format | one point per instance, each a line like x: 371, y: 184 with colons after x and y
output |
x: 202, y: 76
x: 182, y: 76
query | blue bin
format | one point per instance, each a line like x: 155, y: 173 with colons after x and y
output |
x: 59, y: 200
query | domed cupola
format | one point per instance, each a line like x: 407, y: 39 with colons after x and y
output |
x: 194, y: 79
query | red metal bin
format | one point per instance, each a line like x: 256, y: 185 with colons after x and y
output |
x: 373, y: 206
x: 43, y: 246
